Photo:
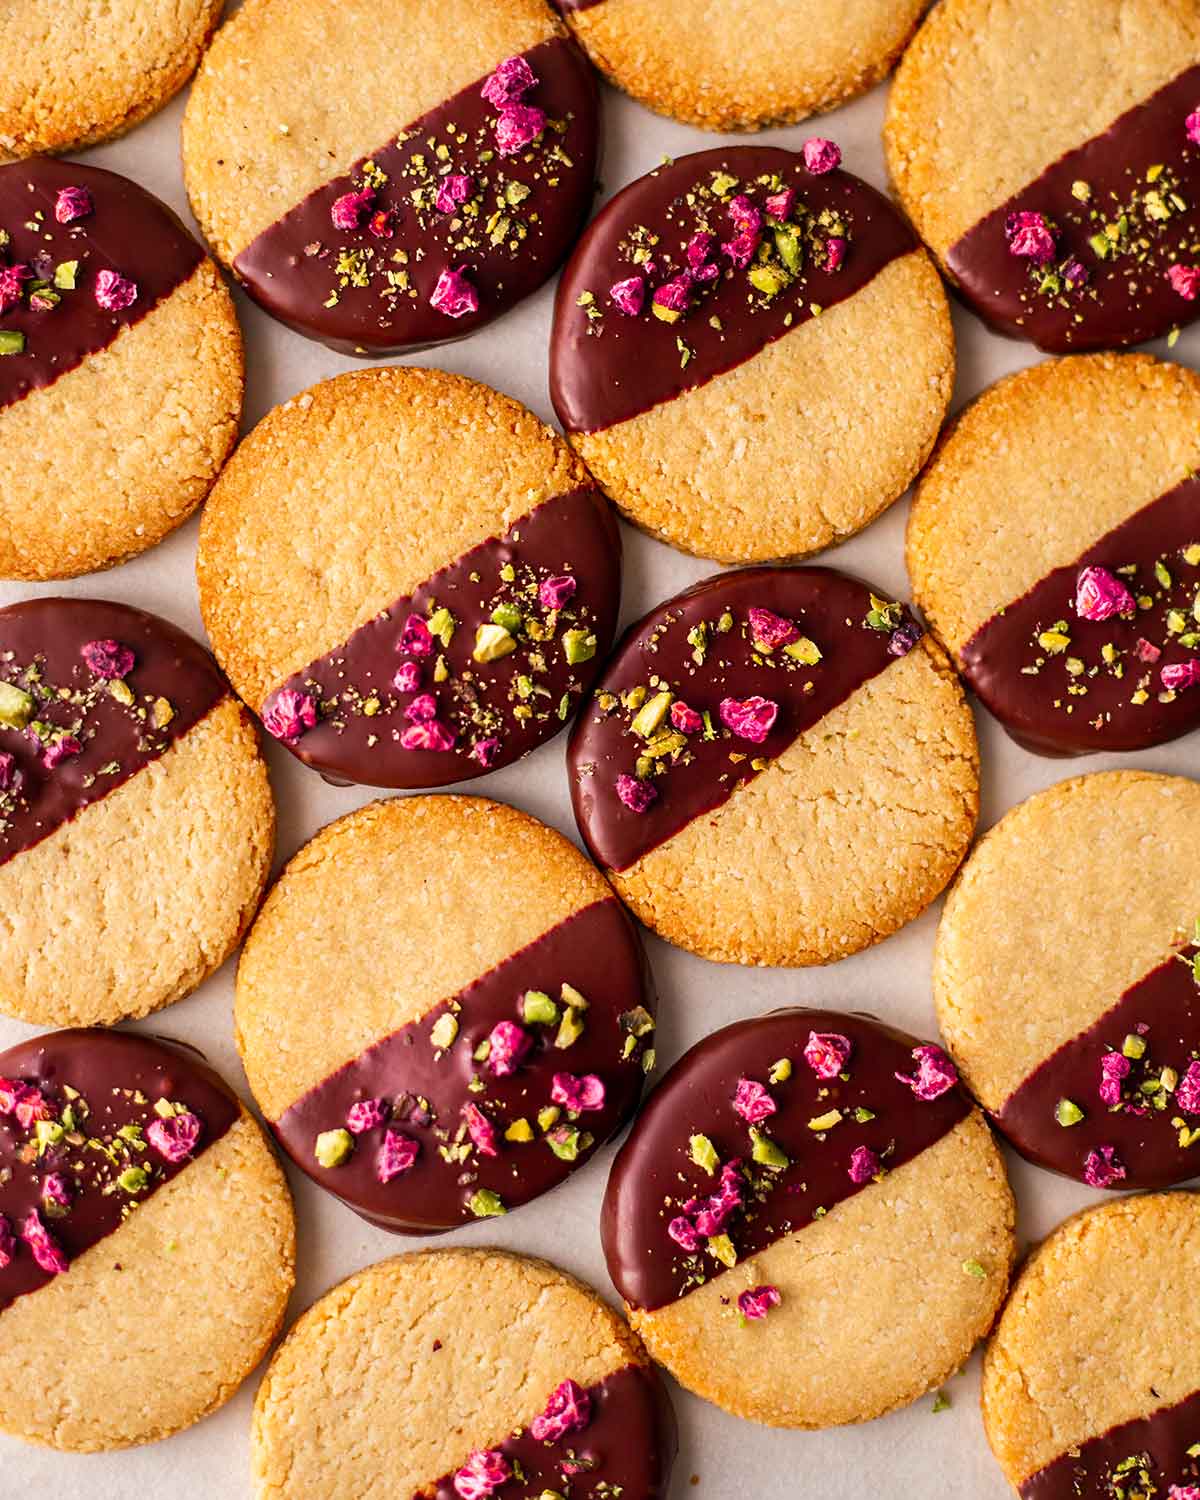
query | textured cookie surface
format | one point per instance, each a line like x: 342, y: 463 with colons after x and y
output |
x: 80, y: 71
x: 787, y: 1180
x: 1054, y: 545
x: 1051, y: 166
x: 136, y: 819
x: 776, y: 768
x: 742, y: 64
x: 1091, y: 1379
x: 751, y: 355
x: 409, y: 577
x: 1084, y: 1052
x: 148, y: 1239
x: 511, y: 1370
x: 401, y: 204
x: 121, y: 381
x: 498, y: 1032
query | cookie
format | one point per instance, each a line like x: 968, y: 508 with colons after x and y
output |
x: 136, y: 818
x: 741, y: 65
x: 121, y: 1327
x: 382, y: 175
x: 517, y: 1379
x: 788, y: 1183
x: 443, y: 1011
x: 1054, y: 544
x: 75, y: 73
x: 1052, y: 164
x: 120, y: 370
x: 673, y: 379
x: 1083, y: 1051
x: 776, y: 768
x: 409, y: 578
x: 1091, y: 1384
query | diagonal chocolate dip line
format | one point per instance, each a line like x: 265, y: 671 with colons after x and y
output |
x: 1157, y: 1444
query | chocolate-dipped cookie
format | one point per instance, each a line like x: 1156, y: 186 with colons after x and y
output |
x: 443, y: 1011
x: 1054, y: 544
x: 1084, y: 1052
x: 136, y: 818
x: 742, y: 64
x: 146, y: 1240
x: 409, y: 578
x: 751, y: 352
x: 120, y: 369
x: 81, y: 73
x: 776, y: 768
x: 786, y: 1185
x: 518, y: 1380
x: 394, y: 202
x: 1052, y: 163
x: 1091, y: 1384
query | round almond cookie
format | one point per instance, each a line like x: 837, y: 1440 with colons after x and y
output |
x: 136, y: 818
x: 742, y: 64
x: 1052, y: 163
x: 751, y: 352
x: 517, y: 1380
x: 497, y: 1037
x: 1078, y: 1404
x: 746, y: 1214
x: 392, y: 206
x: 1054, y: 544
x: 77, y: 73
x: 121, y: 1327
x: 121, y: 377
x: 409, y: 578
x: 1085, y: 1054
x: 776, y: 768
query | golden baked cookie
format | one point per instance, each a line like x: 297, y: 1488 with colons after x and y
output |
x: 512, y: 1370
x: 136, y: 818
x: 1083, y: 1050
x: 120, y: 370
x: 443, y: 1011
x: 146, y: 1240
x: 408, y: 577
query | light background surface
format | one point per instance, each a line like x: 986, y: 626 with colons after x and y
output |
x: 913, y: 1452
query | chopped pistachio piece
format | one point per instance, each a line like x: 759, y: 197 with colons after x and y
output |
x: 445, y: 1029
x: 16, y: 706
x: 1134, y: 1046
x: 133, y: 1179
x: 826, y: 1121
x: 334, y: 1147
x: 578, y: 646
x: 1067, y: 1112
x: 721, y: 1246
x: 519, y: 1130
x: 547, y: 1117
x: 570, y: 1028
x: 485, y: 1204
x: 973, y: 1268
x: 651, y: 714
x: 492, y: 642
x: 538, y: 1009
x: 766, y: 1153
x: 781, y: 1071
x: 703, y: 1152
x: 508, y: 616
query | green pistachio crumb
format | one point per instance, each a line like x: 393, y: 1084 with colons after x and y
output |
x: 492, y: 642
x: 1067, y: 1112
x: 766, y: 1153
x: 445, y: 1029
x: 538, y: 1009
x: 941, y: 1402
x: 485, y: 1204
x: 703, y: 1152
x: 721, y: 1246
x: 16, y: 706
x: 781, y: 1071
x: 578, y: 646
x: 334, y: 1147
x: 1134, y: 1046
x: 133, y: 1180
x: 973, y: 1268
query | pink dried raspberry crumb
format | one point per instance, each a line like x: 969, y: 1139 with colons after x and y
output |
x: 637, y: 795
x: 396, y: 1154
x: 11, y: 279
x: 9, y: 775
x: 115, y: 292
x: 835, y: 252
x: 674, y: 295
x: 698, y: 254
x: 482, y: 1475
x: 63, y: 748
x: 779, y: 205
x: 428, y: 736
x: 554, y: 592
x: 407, y: 678
x: 480, y: 1129
x: 8, y: 1242
x: 1100, y: 594
x: 935, y: 1074
x: 31, y: 1106
x: 1192, y: 126
x: 749, y: 718
x: 821, y: 155
x: 569, y: 1409
x: 746, y: 216
x: 367, y: 1114
x: 685, y: 719
x: 1186, y: 281
x: 1102, y: 1168
x: 454, y: 295
x: 628, y: 296
x: 289, y: 714
x: 1178, y: 676
x: 55, y: 1192
x: 1187, y: 1092
x: 512, y: 80
x: 46, y: 1250
x: 577, y: 1093
x: 519, y: 125
x: 453, y: 192
x: 176, y: 1137
x: 1146, y: 651
x: 72, y: 203
x: 741, y: 248
x: 710, y: 1214
x: 757, y: 1302
x: 769, y: 630
x: 1184, y: 1492
x: 11, y: 1090
x: 108, y: 659
x: 752, y: 1101
x: 827, y: 1053
x: 422, y: 709
x: 509, y: 1045
x: 1114, y: 1068
x: 347, y: 211
x: 864, y: 1165
x: 904, y: 638
x: 684, y: 1233
x: 486, y: 751
x: 415, y: 639
x: 1030, y: 237
x: 1075, y: 274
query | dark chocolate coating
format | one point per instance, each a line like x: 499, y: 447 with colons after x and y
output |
x: 47, y: 634
x: 574, y: 533
x: 129, y: 231
x: 289, y: 269
x: 1160, y: 1441
x: 626, y: 1450
x: 1046, y: 712
x: 110, y: 1069
x: 1167, y: 1004
x: 600, y: 378
x: 1127, y: 299
x: 565, y: 7
x: 598, y: 951
x: 654, y: 1172
x: 829, y: 607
